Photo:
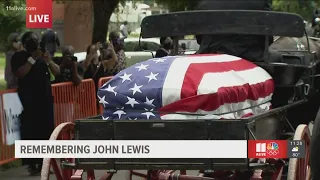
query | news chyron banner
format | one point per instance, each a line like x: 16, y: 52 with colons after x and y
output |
x: 276, y: 149
x: 131, y: 149
x: 160, y: 149
x: 40, y: 15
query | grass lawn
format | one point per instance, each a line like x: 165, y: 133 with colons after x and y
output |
x: 2, y: 66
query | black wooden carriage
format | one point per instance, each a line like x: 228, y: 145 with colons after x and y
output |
x: 292, y: 72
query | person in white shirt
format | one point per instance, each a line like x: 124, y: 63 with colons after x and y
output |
x: 123, y: 30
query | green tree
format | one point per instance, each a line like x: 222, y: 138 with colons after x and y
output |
x: 11, y: 21
x: 178, y: 5
x: 302, y: 7
x: 294, y: 6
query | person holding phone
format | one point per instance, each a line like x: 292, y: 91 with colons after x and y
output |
x: 100, y: 58
x: 70, y: 69
x: 115, y: 40
x: 31, y: 66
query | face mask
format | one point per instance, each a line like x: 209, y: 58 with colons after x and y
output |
x: 31, y: 45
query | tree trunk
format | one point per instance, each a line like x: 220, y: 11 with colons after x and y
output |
x: 78, y: 24
x: 102, y: 11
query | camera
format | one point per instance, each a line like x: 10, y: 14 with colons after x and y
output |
x: 74, y: 58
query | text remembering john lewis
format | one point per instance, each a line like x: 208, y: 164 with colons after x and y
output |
x: 85, y: 149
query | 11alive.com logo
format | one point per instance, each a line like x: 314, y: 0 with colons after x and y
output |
x: 40, y: 15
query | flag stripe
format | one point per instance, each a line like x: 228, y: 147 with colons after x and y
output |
x: 210, y: 102
x: 172, y: 86
x: 241, y: 114
x: 211, y: 82
x: 220, y: 74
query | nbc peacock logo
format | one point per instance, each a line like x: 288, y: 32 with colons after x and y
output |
x: 272, y: 148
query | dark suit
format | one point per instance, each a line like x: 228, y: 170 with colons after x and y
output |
x: 250, y: 47
x: 161, y: 53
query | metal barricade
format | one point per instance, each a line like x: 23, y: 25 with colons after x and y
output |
x: 74, y: 102
x: 70, y: 102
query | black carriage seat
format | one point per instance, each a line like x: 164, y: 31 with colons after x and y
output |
x: 274, y: 55
x: 294, y: 52
x: 243, y: 22
x: 281, y: 66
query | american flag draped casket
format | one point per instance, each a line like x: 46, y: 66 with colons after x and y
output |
x: 214, y: 86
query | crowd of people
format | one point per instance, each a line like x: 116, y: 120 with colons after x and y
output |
x: 31, y: 68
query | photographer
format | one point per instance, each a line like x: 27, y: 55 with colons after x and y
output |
x: 70, y: 69
x: 100, y: 58
x: 31, y: 66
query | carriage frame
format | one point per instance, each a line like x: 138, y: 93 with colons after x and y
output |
x: 286, y: 74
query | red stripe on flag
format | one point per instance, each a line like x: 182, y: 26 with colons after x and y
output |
x: 202, y: 55
x: 196, y: 72
x: 211, y: 102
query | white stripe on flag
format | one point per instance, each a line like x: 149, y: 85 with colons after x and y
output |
x: 173, y: 82
x: 228, y: 107
x: 211, y: 82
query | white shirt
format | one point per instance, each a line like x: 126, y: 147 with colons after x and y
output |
x: 124, y: 31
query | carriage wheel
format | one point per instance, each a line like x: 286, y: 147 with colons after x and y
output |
x: 64, y: 131
x: 299, y: 169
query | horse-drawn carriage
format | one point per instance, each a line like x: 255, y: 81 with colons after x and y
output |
x: 293, y: 72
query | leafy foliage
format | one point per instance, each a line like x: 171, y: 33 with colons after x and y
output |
x: 178, y: 5
x: 11, y: 21
x: 302, y: 7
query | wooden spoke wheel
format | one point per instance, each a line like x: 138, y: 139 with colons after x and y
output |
x: 299, y: 169
x: 65, y: 131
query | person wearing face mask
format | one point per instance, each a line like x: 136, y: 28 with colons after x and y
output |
x: 96, y: 62
x: 114, y: 38
x: 70, y: 69
x: 31, y: 66
x: 14, y: 46
x: 166, y: 47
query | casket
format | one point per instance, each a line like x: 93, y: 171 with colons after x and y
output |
x: 213, y: 86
